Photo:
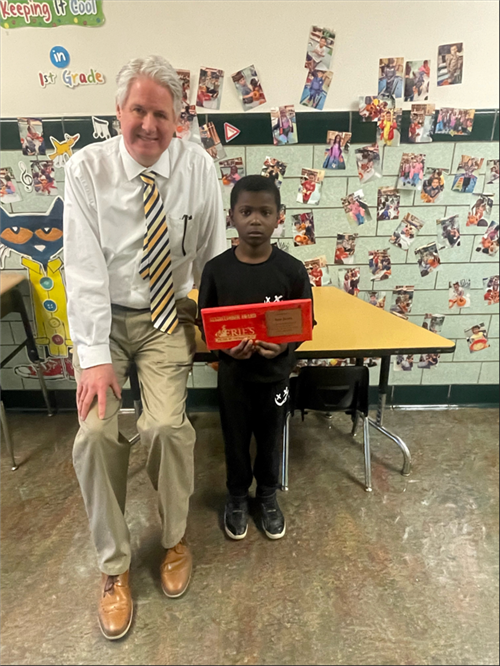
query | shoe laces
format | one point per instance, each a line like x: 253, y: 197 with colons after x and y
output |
x: 109, y: 586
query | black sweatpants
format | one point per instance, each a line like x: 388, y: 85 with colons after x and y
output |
x: 248, y: 408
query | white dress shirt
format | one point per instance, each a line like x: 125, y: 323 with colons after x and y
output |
x: 104, y: 227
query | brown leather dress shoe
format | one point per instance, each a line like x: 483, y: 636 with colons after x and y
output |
x: 176, y: 570
x: 115, y: 606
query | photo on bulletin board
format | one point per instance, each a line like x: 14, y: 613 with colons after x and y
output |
x: 450, y: 64
x: 311, y: 181
x: 371, y: 108
x: 316, y: 88
x: 274, y: 169
x: 489, y: 242
x: 480, y: 211
x: 428, y: 258
x: 433, y: 185
x: 492, y: 172
x: 411, y: 171
x: 390, y: 78
x: 185, y: 77
x: 421, y: 126
x: 319, y: 48
x: 428, y: 361
x: 389, y: 127
x: 379, y: 262
x: 280, y: 229
x: 338, y: 144
x: 8, y: 186
x: 211, y: 142
x: 417, y: 80
x: 465, y: 179
x: 449, y: 230
x: 31, y: 135
x: 368, y: 163
x: 348, y: 279
x: 388, y: 199
x: 406, y: 232
x: 459, y: 294
x: 477, y: 337
x: 232, y: 170
x: 187, y: 124
x: 209, y: 91
x: 376, y: 298
x: 44, y: 178
x: 402, y: 301
x: 356, y: 208
x: 303, y: 229
x: 317, y: 269
x: 249, y: 88
x: 455, y: 122
x: 491, y: 287
x: 284, y: 125
x: 345, y: 249
x: 404, y: 363
x: 433, y: 323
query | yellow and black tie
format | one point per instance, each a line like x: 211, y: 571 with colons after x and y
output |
x: 156, y: 262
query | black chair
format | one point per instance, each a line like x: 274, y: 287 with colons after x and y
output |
x: 331, y: 389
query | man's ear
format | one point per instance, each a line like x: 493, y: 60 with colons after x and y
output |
x: 118, y: 112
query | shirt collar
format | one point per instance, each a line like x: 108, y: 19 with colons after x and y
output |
x: 133, y: 168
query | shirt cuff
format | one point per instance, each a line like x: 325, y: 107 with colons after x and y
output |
x: 94, y: 355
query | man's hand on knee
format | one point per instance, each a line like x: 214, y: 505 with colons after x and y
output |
x: 95, y: 382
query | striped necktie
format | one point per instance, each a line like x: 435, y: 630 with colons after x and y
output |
x: 156, y: 263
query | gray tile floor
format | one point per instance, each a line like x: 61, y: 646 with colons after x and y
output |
x: 405, y: 575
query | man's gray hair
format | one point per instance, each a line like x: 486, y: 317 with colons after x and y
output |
x: 154, y: 67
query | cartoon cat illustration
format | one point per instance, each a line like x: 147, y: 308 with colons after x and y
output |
x: 38, y: 237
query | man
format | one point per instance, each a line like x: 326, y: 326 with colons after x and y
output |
x: 454, y: 65
x: 143, y: 215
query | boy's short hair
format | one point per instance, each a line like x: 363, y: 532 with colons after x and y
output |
x: 255, y: 183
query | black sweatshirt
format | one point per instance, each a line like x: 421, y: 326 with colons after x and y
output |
x: 228, y: 281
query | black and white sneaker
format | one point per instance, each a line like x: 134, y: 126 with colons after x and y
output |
x: 236, y: 517
x: 273, y: 520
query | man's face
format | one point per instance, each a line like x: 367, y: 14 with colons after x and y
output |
x: 453, y: 50
x: 147, y: 120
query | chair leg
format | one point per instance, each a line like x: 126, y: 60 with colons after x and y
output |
x: 284, y: 460
x: 6, y: 436
x: 366, y: 447
x: 355, y: 423
x: 43, y: 387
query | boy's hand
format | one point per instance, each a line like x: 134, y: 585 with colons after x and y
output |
x: 270, y: 349
x: 243, y: 351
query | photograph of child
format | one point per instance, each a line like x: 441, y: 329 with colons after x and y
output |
x: 480, y: 211
x: 458, y: 294
x: 455, y: 121
x: 465, y: 179
x: 402, y: 301
x: 317, y: 269
x: 210, y: 88
x: 388, y: 199
x: 31, y: 135
x: 371, y: 108
x: 450, y: 230
x: 493, y: 174
x: 319, y: 48
x: 273, y: 168
x: 421, y: 123
x: 491, y: 289
x: 303, y: 229
x: 368, y: 163
x: 338, y: 144
x: 403, y: 362
x: 248, y: 87
x: 406, y: 232
x: 8, y: 186
x: 389, y: 127
x: 310, y: 186
x: 379, y: 263
x: 428, y: 361
x: 376, y: 298
x: 417, y: 80
x: 433, y: 323
x: 356, y: 209
x: 187, y: 125
x: 477, y: 337
x: 450, y: 64
x: 489, y: 242
x: 433, y: 185
x: 278, y: 232
x: 349, y: 280
x: 346, y: 246
x: 428, y: 258
x: 411, y: 171
x: 390, y: 78
x: 185, y: 77
x: 316, y: 88
x: 211, y: 142
x: 232, y: 170
x: 284, y: 125
x: 44, y: 178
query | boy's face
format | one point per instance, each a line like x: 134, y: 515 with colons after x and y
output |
x: 255, y: 217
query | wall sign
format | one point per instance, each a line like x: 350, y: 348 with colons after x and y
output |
x: 50, y: 14
x: 59, y: 57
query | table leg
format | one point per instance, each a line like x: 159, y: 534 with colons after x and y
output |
x: 6, y: 436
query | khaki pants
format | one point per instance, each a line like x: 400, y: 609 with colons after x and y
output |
x: 101, y: 455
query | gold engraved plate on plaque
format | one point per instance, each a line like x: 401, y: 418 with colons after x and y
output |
x: 284, y: 322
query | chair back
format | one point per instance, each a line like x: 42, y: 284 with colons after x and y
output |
x: 331, y: 389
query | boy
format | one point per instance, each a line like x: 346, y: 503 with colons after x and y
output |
x: 253, y: 376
